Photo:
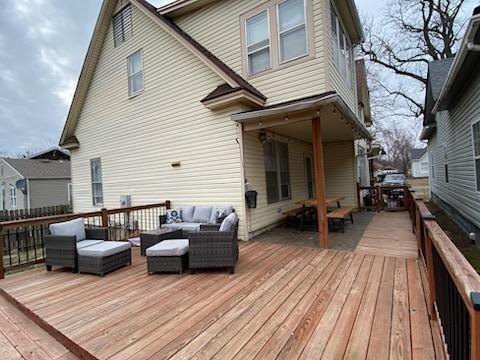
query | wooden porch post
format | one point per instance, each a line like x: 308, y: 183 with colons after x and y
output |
x: 320, y: 182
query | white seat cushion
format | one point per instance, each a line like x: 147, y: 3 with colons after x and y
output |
x: 186, y: 226
x: 173, y: 247
x: 104, y: 249
x: 84, y: 243
x: 74, y: 227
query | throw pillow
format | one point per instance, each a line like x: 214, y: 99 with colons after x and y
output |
x: 174, y: 216
x: 220, y: 208
x: 220, y: 215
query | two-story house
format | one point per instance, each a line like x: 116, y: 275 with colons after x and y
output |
x: 200, y: 100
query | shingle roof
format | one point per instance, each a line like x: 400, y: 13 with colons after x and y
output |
x: 437, y: 74
x: 417, y: 153
x: 41, y: 169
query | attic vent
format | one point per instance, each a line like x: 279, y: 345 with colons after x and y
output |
x: 122, y: 25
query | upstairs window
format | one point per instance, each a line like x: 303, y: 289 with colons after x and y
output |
x: 276, y: 171
x: 258, y: 43
x: 97, y: 184
x: 342, y: 49
x: 476, y: 151
x: 13, y: 196
x: 122, y: 26
x: 292, y: 30
x: 135, y: 73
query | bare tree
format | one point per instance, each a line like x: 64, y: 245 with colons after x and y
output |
x: 414, y: 32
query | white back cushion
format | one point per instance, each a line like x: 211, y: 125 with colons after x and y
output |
x: 187, y: 213
x: 228, y: 222
x: 74, y: 227
x: 202, y: 214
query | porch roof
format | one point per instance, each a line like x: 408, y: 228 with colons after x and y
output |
x: 305, y: 106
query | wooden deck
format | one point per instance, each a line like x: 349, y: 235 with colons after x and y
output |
x: 283, y: 302
x: 389, y: 234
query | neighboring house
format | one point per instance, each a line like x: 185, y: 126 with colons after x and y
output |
x: 452, y: 128
x: 420, y: 167
x: 30, y: 184
x: 192, y: 101
x: 54, y: 153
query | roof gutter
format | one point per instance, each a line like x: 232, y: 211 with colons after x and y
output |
x: 467, y: 46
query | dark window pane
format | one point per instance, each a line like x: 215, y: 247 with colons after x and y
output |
x: 272, y: 187
x: 477, y: 166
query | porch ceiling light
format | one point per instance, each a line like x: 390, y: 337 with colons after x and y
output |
x: 286, y: 117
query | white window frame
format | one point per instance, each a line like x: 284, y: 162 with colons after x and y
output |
x: 280, y: 33
x: 94, y: 195
x: 475, y: 157
x: 269, y: 46
x: 342, y: 62
x: 13, y: 197
x: 130, y: 76
x: 422, y: 169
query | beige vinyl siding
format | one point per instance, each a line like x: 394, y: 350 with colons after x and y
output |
x: 337, y: 81
x: 266, y: 214
x: 138, y: 138
x: 340, y: 172
x: 224, y: 40
x: 48, y: 192
x: 454, y: 134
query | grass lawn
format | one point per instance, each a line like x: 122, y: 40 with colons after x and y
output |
x: 456, y: 234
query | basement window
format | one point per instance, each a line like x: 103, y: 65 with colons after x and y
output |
x: 122, y: 26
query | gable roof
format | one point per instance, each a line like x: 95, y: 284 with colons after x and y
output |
x: 437, y: 74
x: 417, y: 154
x: 40, y: 169
x: 53, y: 153
x: 103, y: 22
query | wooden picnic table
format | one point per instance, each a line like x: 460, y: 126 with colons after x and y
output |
x: 331, y: 200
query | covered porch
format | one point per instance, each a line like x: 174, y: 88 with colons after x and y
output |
x: 305, y: 149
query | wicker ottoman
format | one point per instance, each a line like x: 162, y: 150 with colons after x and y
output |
x: 168, y: 256
x: 100, y: 259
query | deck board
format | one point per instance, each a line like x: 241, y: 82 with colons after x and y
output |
x: 389, y: 234
x: 283, y: 301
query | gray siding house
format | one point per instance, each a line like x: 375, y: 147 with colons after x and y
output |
x: 452, y: 128
x: 29, y: 183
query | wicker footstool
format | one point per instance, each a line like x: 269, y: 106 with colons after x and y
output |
x: 168, y: 256
x: 102, y: 258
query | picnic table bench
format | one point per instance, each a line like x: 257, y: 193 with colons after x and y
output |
x: 341, y: 214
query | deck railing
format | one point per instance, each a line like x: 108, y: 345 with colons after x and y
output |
x: 383, y: 198
x: 453, y: 284
x: 22, y: 241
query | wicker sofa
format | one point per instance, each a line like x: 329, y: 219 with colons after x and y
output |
x: 211, y: 248
x: 193, y: 217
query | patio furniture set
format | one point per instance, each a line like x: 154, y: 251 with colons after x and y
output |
x: 190, y: 237
x: 303, y: 217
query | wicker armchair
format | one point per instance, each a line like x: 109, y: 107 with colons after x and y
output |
x: 211, y: 248
x: 62, y: 250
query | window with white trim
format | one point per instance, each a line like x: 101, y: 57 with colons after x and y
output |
x: 97, y: 184
x: 342, y: 49
x: 122, y: 26
x: 292, y: 30
x: 13, y: 196
x: 476, y: 151
x: 424, y: 166
x: 276, y: 171
x: 258, y: 43
x: 135, y: 73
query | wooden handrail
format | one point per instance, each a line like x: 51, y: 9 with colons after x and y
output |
x: 463, y: 274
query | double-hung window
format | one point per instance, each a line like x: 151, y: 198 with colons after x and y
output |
x: 277, y: 171
x: 122, y: 25
x: 13, y: 196
x: 342, y: 49
x: 258, y: 43
x: 135, y: 73
x: 476, y: 152
x: 97, y: 185
x: 292, y: 30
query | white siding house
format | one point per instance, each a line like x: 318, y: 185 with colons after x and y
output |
x: 452, y: 128
x: 420, y: 164
x: 172, y: 89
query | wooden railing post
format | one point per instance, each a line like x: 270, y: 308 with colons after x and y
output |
x: 418, y: 229
x: 379, y: 199
x: 168, y: 204
x: 475, y: 326
x: 430, y: 274
x: 2, y: 269
x: 104, y: 217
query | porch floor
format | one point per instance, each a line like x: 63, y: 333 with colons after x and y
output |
x: 283, y: 301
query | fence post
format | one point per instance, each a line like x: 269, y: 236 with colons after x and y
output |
x: 104, y: 218
x: 475, y: 324
x: 430, y: 274
x: 2, y: 239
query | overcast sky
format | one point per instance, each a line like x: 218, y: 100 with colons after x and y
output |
x: 42, y: 47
